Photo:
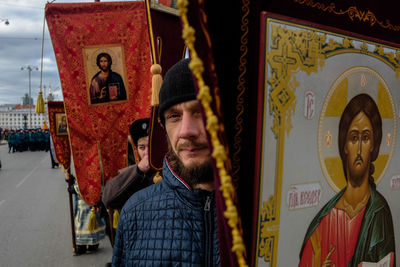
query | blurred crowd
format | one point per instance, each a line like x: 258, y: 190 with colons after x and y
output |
x: 28, y: 139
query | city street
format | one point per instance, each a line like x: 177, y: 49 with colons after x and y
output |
x: 35, y: 225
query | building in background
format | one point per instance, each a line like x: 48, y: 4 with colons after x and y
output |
x: 50, y: 97
x: 17, y: 117
x: 26, y: 101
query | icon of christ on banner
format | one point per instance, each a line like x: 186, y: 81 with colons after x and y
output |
x: 61, y: 124
x: 355, y: 226
x: 106, y: 84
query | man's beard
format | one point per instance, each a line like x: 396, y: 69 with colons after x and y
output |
x: 194, y: 175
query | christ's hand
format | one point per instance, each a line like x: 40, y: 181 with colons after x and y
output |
x: 328, y: 261
x: 103, y: 92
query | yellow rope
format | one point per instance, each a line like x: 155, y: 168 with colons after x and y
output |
x: 196, y: 65
x: 115, y: 219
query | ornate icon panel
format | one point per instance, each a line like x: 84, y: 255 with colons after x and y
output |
x: 354, y: 81
x: 310, y: 75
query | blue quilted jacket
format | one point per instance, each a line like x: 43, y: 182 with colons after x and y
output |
x: 168, y: 224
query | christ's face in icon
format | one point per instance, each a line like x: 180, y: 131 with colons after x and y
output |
x: 104, y: 63
x: 358, y: 147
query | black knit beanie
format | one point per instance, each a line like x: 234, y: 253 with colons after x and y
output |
x: 176, y: 88
x: 138, y: 129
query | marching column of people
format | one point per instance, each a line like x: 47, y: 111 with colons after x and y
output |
x: 30, y: 139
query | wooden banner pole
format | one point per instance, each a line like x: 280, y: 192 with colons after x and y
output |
x: 71, y: 212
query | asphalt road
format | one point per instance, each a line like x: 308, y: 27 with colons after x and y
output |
x: 35, y: 225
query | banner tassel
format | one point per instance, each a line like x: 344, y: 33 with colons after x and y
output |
x: 156, y: 81
x: 157, y: 178
x: 115, y: 219
x: 92, y: 220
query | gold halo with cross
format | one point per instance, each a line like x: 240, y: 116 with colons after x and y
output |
x: 108, y: 50
x: 352, y: 82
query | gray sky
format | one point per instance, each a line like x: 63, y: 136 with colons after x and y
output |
x: 21, y: 45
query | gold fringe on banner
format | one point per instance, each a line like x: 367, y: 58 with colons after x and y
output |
x: 115, y: 219
x: 92, y: 220
x: 227, y: 188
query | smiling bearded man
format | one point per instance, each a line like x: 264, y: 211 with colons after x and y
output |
x: 174, y: 222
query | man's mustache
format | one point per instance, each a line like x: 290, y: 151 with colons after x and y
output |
x: 191, y: 145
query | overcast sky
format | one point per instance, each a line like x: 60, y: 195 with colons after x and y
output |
x: 21, y: 46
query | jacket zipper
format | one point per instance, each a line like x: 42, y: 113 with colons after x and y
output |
x: 208, y: 232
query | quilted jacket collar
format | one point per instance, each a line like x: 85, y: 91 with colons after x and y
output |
x: 196, y: 197
x: 173, y: 178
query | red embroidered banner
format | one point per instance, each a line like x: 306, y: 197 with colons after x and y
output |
x: 103, y: 56
x: 59, y: 132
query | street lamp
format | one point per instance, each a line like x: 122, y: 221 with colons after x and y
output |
x: 30, y: 69
x: 5, y: 21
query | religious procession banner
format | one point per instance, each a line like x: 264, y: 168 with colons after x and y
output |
x: 167, y: 48
x: 328, y: 160
x: 59, y: 132
x: 103, y: 56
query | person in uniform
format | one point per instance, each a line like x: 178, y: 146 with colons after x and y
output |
x: 11, y: 141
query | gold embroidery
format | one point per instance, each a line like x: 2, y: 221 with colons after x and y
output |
x: 352, y: 12
x: 241, y: 89
x: 266, y: 240
x: 288, y: 52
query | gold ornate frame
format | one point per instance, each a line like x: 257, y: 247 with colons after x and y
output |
x: 353, y: 13
x: 116, y: 51
x: 168, y: 9
x: 293, y: 52
x: 58, y: 118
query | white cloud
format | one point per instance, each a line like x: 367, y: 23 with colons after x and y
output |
x: 20, y: 45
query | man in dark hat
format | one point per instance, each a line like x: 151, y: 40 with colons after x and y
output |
x: 138, y: 139
x: 174, y: 223
x: 135, y: 177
